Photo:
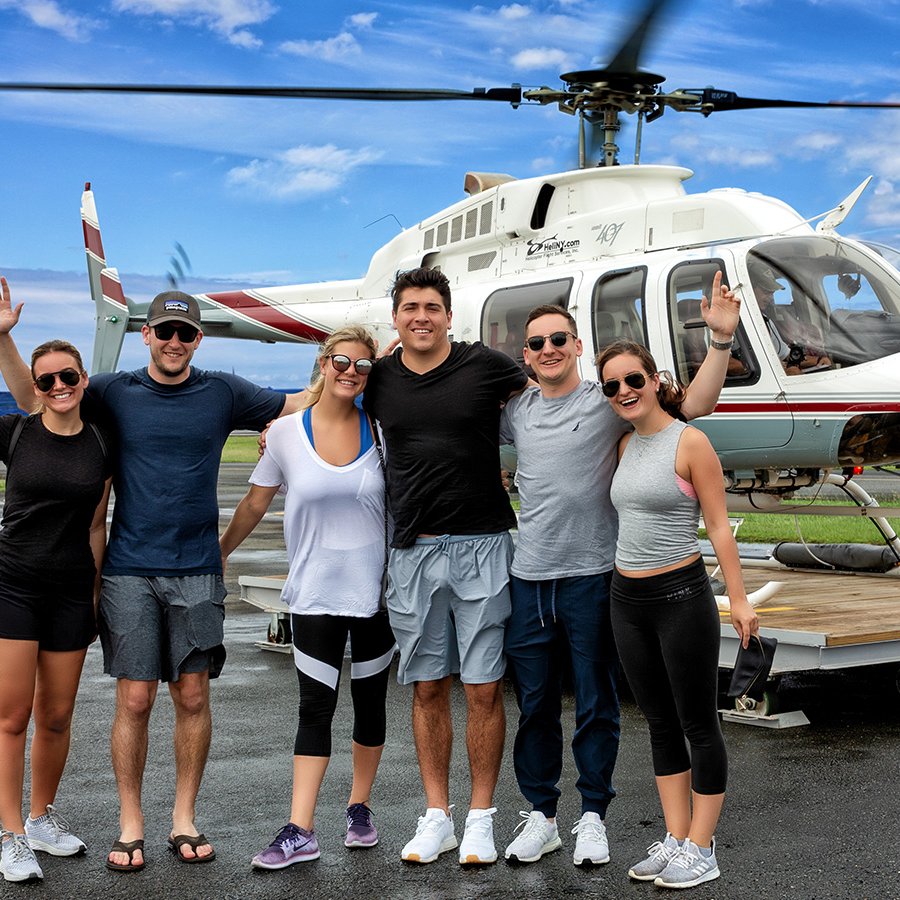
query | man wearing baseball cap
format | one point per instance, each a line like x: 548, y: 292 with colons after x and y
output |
x: 162, y: 597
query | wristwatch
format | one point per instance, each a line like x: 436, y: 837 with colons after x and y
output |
x: 721, y: 345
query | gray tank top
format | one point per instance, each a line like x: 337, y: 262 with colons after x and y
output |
x: 658, y: 510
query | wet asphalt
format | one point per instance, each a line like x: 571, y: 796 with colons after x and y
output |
x: 811, y: 812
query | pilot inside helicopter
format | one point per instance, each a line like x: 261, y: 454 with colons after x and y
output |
x: 798, y: 344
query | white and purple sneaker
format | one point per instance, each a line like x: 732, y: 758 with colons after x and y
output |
x: 291, y: 845
x: 360, y: 830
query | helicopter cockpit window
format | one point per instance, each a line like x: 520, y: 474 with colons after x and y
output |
x: 617, y: 307
x: 832, y: 305
x: 505, y: 312
x: 688, y: 284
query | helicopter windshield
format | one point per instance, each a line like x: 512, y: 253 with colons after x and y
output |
x: 826, y: 304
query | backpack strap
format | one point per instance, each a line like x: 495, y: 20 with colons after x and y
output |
x: 24, y: 420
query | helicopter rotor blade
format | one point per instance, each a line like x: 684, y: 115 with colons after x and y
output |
x: 511, y: 94
x: 713, y: 100
x: 627, y: 57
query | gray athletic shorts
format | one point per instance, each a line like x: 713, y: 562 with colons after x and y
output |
x: 448, y: 601
x: 155, y: 628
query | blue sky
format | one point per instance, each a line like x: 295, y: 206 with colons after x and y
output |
x: 282, y: 191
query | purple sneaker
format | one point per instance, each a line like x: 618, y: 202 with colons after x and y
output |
x: 291, y: 845
x: 360, y: 830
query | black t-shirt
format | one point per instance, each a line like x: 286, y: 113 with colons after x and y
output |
x: 441, y: 432
x: 53, y: 486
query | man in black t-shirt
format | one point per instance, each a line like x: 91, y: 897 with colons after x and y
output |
x: 438, y: 404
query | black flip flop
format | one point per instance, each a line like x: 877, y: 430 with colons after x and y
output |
x: 126, y: 847
x: 177, y: 841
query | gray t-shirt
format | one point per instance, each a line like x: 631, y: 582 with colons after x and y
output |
x: 567, y: 457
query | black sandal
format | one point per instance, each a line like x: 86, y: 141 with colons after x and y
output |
x: 177, y: 841
x: 128, y: 847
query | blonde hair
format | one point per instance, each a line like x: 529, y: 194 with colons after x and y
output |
x: 56, y: 346
x: 356, y: 334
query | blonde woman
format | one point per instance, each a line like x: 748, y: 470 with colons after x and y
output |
x: 334, y: 527
x: 51, y: 548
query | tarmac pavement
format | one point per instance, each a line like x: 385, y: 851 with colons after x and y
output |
x: 811, y: 812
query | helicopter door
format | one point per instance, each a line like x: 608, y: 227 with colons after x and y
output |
x: 752, y: 412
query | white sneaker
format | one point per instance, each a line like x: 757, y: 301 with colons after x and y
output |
x: 17, y: 859
x: 477, y: 847
x: 434, y: 836
x: 539, y: 836
x: 689, y: 867
x: 659, y: 855
x: 591, y: 845
x: 51, y: 833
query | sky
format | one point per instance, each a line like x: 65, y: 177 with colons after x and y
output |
x: 263, y: 191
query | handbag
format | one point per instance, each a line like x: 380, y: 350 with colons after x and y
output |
x: 752, y: 667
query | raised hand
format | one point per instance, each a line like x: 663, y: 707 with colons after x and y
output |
x: 9, y: 316
x: 722, y: 311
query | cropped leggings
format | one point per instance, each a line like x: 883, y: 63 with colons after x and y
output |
x: 319, y: 644
x: 667, y: 632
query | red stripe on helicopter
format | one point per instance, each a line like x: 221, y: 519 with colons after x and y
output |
x: 255, y: 309
x: 808, y: 408
x: 112, y: 288
x: 92, y: 240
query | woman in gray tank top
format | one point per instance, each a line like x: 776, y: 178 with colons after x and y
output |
x: 664, y: 614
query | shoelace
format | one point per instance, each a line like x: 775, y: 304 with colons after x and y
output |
x: 358, y: 815
x: 17, y: 849
x: 658, y: 848
x: 588, y: 829
x: 56, y: 821
x: 426, y: 824
x: 685, y: 859
x: 289, y: 839
x: 529, y: 821
x: 482, y: 826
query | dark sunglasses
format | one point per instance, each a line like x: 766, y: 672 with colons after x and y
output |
x: 187, y: 334
x: 634, y: 380
x: 342, y: 363
x: 68, y: 377
x: 558, y: 339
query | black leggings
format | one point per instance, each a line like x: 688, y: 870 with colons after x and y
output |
x: 319, y: 643
x: 667, y: 632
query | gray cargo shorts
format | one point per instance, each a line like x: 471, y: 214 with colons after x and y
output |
x: 156, y: 628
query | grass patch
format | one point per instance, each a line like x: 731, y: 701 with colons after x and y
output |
x: 241, y: 448
x: 769, y: 528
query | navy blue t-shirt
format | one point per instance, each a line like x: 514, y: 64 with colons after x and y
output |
x: 170, y: 439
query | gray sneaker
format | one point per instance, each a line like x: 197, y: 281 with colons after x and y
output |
x: 17, y: 859
x: 291, y: 845
x: 689, y: 867
x: 659, y: 855
x: 51, y: 834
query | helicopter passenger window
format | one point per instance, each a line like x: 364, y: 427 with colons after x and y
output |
x: 617, y: 307
x: 834, y: 305
x: 505, y: 312
x: 688, y: 283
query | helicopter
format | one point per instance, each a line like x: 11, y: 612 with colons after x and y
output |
x: 629, y: 252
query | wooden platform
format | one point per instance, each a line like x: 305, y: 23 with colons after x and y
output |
x: 824, y: 620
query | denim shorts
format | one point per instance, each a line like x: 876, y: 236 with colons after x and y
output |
x: 156, y: 628
x: 448, y: 601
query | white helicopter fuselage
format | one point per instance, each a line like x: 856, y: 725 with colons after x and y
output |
x: 629, y: 253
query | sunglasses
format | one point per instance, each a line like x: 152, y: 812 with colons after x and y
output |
x: 558, y: 339
x: 342, y: 363
x: 187, y: 334
x: 68, y: 377
x: 634, y: 380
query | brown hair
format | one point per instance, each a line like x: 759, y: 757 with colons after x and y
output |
x: 551, y: 309
x: 671, y: 393
x: 421, y: 278
x: 353, y: 333
x: 56, y: 346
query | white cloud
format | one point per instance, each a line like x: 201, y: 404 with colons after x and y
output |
x: 362, y: 20
x: 884, y: 207
x: 514, y: 11
x: 541, y: 58
x: 819, y: 141
x: 227, y: 18
x: 340, y: 47
x: 300, y: 172
x: 48, y: 14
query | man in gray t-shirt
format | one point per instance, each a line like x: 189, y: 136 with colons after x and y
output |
x: 566, y: 437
